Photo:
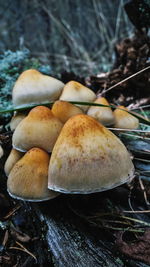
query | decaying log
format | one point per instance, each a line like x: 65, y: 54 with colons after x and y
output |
x: 56, y: 234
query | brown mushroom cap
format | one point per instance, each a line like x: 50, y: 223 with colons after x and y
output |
x: 103, y: 114
x: 39, y: 129
x: 64, y: 110
x: 28, y: 178
x: 35, y: 87
x: 13, y: 157
x: 88, y: 158
x: 74, y: 91
x: 16, y: 119
x: 124, y: 120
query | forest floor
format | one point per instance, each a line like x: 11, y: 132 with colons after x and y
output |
x: 104, y: 229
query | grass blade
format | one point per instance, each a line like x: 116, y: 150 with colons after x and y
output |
x: 29, y: 106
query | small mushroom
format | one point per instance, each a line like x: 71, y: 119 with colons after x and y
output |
x: 88, y: 158
x: 1, y: 152
x: 124, y: 120
x: 74, y: 91
x: 35, y: 87
x: 16, y: 119
x: 103, y: 114
x: 28, y: 178
x: 13, y: 157
x: 64, y: 110
x: 39, y: 129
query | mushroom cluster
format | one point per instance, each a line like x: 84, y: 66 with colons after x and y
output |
x: 62, y: 150
x: 120, y: 118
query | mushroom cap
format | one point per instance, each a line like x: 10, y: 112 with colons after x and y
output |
x: 74, y: 91
x: 1, y: 152
x: 64, y: 110
x: 39, y: 129
x: 13, y: 157
x: 103, y: 114
x: 28, y: 178
x: 124, y: 120
x: 16, y: 119
x: 35, y: 87
x: 88, y: 158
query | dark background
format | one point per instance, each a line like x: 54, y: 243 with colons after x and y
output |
x: 71, y: 35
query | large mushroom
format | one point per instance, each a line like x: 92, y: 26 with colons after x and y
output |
x: 88, y: 158
x: 28, y: 178
x: 39, y: 129
x: 35, y: 87
x: 74, y: 91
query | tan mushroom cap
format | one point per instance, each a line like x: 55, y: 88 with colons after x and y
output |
x: 39, y: 129
x: 12, y: 159
x: 124, y: 120
x: 1, y: 152
x: 74, y: 91
x: 16, y: 119
x: 64, y: 110
x: 28, y: 178
x: 35, y: 87
x: 88, y: 158
x: 103, y: 114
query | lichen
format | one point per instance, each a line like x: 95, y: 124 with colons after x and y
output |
x: 11, y: 66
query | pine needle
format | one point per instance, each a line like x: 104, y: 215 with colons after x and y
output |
x: 126, y: 79
x: 22, y: 248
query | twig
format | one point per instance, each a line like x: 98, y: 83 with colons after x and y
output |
x: 128, y: 130
x: 144, y: 192
x: 19, y: 235
x: 12, y: 212
x: 136, y: 211
x: 126, y: 79
x: 145, y: 106
x: 22, y: 248
x: 144, y: 114
x: 129, y: 198
x: 143, y: 160
x: 128, y: 229
x: 5, y: 238
x: 135, y: 220
x: 88, y: 218
x: 135, y: 136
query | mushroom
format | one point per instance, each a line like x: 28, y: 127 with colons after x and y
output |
x: 13, y: 157
x: 39, y: 129
x: 74, y: 91
x: 28, y: 178
x: 1, y: 152
x: 88, y: 158
x: 103, y: 114
x: 35, y: 87
x: 16, y: 119
x: 124, y: 120
x: 64, y: 110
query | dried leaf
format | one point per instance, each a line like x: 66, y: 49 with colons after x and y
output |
x: 139, y: 249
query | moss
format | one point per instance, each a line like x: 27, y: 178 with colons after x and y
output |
x: 11, y: 66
